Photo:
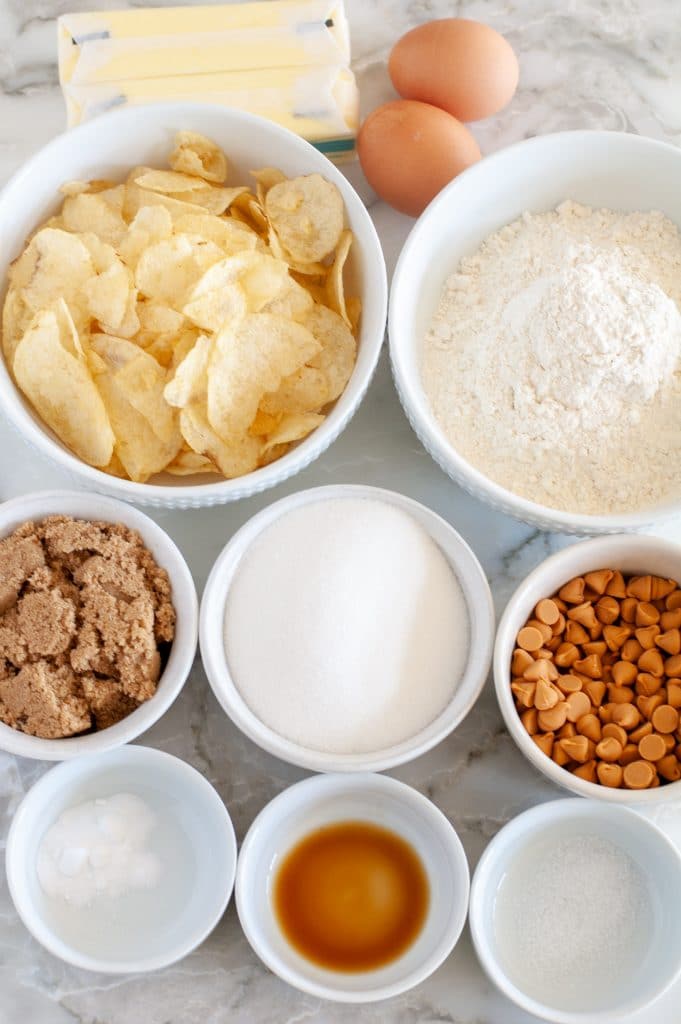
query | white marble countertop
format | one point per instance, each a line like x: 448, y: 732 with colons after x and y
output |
x: 586, y: 63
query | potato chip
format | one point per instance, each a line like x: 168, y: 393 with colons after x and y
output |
x: 250, y: 209
x: 265, y: 178
x: 140, y: 380
x: 273, y: 453
x: 263, y: 424
x: 234, y: 287
x: 337, y: 357
x: 248, y: 360
x: 334, y: 281
x: 74, y: 188
x: 150, y: 224
x: 232, y: 236
x: 59, y: 386
x: 307, y: 215
x: 190, y: 463
x: 157, y: 318
x: 241, y: 455
x: 91, y: 212
x: 16, y: 316
x: 107, y: 295
x: 140, y: 450
x: 293, y: 302
x: 136, y: 198
x: 310, y: 270
x: 167, y: 270
x: 190, y: 380
x: 195, y: 154
x: 306, y: 390
x: 353, y: 307
x: 212, y: 197
x: 184, y: 343
x: 169, y: 182
x: 294, y: 427
x: 55, y: 265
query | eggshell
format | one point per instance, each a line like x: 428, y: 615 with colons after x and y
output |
x: 464, y: 67
x: 410, y: 150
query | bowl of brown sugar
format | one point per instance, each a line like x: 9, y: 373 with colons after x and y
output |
x: 98, y: 624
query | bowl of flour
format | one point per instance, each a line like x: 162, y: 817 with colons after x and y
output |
x: 535, y: 331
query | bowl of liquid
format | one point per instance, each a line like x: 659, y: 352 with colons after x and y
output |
x: 571, y: 912
x: 352, y: 888
x: 121, y: 862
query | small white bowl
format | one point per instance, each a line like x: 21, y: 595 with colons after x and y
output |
x: 473, y: 583
x: 616, y: 170
x: 198, y: 850
x: 37, y: 506
x: 633, y: 554
x: 108, y: 147
x: 325, y: 800
x: 659, y: 862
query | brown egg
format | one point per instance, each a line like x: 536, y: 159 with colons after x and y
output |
x: 409, y: 151
x: 464, y: 67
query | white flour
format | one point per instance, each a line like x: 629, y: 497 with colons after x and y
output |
x: 553, y: 362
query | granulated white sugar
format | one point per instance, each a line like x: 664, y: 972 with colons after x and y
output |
x: 573, y: 922
x: 346, y: 629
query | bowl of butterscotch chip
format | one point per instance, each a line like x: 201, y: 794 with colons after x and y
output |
x: 587, y: 668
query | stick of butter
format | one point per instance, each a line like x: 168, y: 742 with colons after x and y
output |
x: 286, y: 60
x: 114, y: 46
x: 321, y: 104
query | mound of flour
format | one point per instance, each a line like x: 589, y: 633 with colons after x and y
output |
x: 553, y: 362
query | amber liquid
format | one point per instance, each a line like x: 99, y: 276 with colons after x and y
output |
x: 351, y: 896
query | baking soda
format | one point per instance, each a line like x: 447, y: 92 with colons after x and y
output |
x: 346, y: 629
x: 573, y: 922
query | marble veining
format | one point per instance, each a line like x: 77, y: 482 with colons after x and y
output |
x: 584, y: 64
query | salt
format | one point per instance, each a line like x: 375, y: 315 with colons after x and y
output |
x: 346, y: 630
x: 99, y: 848
x: 573, y: 921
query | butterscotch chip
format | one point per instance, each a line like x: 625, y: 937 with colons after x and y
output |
x: 629, y: 753
x: 652, y: 747
x: 586, y: 771
x: 665, y: 718
x: 578, y: 705
x: 529, y: 638
x: 609, y: 774
x: 625, y: 715
x: 547, y: 612
x: 614, y: 731
x: 638, y: 775
x: 669, y: 641
x: 669, y: 768
x: 598, y: 580
x: 545, y: 742
x: 545, y: 695
x: 640, y: 587
x: 673, y: 601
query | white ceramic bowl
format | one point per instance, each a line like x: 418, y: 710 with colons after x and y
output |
x: 183, y: 650
x: 197, y: 849
x: 325, y: 800
x: 597, y: 168
x: 476, y: 591
x: 660, y: 864
x: 632, y: 554
x: 108, y: 147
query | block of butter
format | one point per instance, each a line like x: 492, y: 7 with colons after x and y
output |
x: 287, y: 60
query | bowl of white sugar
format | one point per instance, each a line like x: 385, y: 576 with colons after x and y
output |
x: 347, y: 628
x: 570, y: 912
x: 535, y: 331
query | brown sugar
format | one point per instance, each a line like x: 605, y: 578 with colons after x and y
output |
x: 85, y: 620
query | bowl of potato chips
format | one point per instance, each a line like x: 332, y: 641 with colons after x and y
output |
x: 194, y: 303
